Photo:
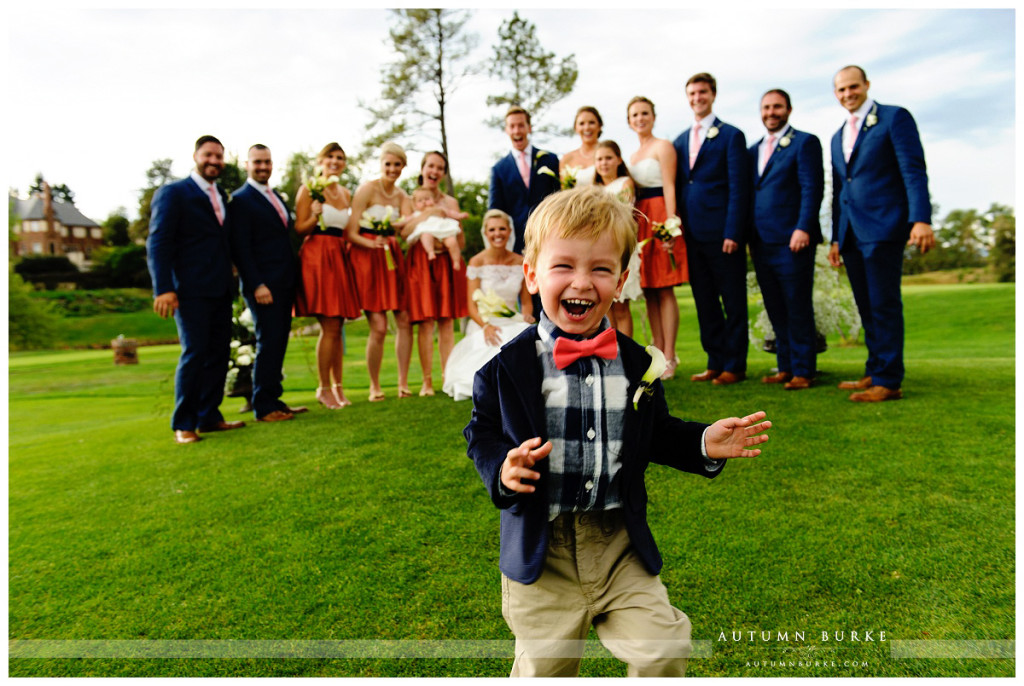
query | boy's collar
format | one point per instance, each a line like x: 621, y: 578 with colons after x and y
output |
x: 548, y: 332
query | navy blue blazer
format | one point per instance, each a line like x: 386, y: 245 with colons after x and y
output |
x: 187, y: 249
x: 883, y: 189
x: 787, y: 195
x: 260, y: 242
x: 712, y: 198
x: 508, y: 408
x: 509, y: 193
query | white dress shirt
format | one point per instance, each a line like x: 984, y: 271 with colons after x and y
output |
x: 779, y: 135
x: 848, y: 138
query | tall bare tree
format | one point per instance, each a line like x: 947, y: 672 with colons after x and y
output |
x: 432, y: 48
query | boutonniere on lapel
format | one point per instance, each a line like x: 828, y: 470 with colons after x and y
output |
x: 787, y: 139
x: 653, y: 373
x: 547, y: 170
x: 872, y: 117
x: 283, y: 196
x: 712, y: 132
x: 540, y: 154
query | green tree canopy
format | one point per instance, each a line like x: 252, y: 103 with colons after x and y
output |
x: 115, y: 228
x: 158, y: 174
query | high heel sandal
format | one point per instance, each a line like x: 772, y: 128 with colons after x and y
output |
x: 670, y: 369
x: 339, y: 395
x: 331, y: 402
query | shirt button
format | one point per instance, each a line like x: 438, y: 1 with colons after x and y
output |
x: 591, y: 433
x: 589, y: 380
x: 589, y: 485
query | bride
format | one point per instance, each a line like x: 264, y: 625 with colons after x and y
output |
x: 495, y: 282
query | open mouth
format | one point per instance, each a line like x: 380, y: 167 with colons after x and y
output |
x: 577, y: 308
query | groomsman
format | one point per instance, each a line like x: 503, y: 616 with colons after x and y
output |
x: 190, y: 262
x: 712, y: 192
x: 261, y: 246
x: 879, y: 204
x: 524, y: 177
x: 789, y: 182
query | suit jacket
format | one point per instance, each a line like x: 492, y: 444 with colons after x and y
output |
x: 509, y: 193
x: 883, y: 189
x: 260, y: 242
x: 188, y: 249
x: 787, y: 194
x: 712, y: 197
x: 508, y: 408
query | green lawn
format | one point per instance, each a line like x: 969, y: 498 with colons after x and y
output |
x: 370, y: 523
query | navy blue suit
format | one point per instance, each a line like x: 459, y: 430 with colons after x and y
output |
x: 509, y: 194
x: 188, y: 252
x: 876, y: 197
x: 787, y: 196
x: 262, y: 250
x: 508, y: 408
x: 712, y: 201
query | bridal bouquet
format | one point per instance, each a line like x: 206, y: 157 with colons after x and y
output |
x: 666, y: 231
x: 316, y: 185
x: 491, y: 304
x: 569, y: 177
x: 377, y: 220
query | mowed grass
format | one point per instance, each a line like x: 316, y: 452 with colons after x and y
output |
x: 370, y: 522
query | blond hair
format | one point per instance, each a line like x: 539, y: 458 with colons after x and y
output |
x: 585, y: 212
x: 393, y: 148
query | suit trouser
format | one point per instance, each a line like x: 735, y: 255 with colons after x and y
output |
x: 718, y: 281
x: 787, y: 285
x: 592, y: 576
x: 273, y: 324
x: 875, y: 272
x: 204, y: 330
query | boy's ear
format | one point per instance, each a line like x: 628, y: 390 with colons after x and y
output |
x: 530, y: 276
x: 622, y: 282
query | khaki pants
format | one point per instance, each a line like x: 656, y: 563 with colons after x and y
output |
x: 593, y: 576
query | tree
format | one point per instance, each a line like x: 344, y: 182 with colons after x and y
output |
x: 472, y: 197
x: 1003, y: 255
x: 31, y: 323
x: 431, y: 49
x: 115, y: 228
x: 158, y: 174
x: 538, y: 78
x: 58, y: 191
x: 232, y: 176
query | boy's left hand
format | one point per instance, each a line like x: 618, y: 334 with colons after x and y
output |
x: 733, y: 437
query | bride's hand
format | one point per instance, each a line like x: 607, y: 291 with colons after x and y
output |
x: 492, y: 335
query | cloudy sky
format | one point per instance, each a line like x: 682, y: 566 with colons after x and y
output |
x: 95, y: 95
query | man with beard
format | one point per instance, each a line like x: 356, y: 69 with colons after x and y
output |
x: 189, y: 259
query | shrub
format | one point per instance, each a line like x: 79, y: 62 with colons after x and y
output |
x: 31, y: 322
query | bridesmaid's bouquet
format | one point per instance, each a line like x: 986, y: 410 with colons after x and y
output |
x: 569, y: 177
x: 377, y: 220
x: 316, y: 185
x: 666, y: 231
x: 490, y: 304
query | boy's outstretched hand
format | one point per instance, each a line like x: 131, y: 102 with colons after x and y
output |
x: 734, y: 437
x: 518, y: 461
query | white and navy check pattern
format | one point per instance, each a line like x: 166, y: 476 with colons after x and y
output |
x: 584, y: 406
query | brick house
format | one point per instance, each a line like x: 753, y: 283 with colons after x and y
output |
x: 46, y: 226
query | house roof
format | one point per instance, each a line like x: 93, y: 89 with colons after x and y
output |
x: 64, y: 212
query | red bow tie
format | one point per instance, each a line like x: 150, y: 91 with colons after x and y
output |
x: 568, y: 351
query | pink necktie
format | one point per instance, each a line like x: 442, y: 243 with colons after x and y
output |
x: 277, y: 206
x: 769, y: 148
x: 695, y: 146
x: 853, y: 136
x: 524, y: 168
x: 216, y: 205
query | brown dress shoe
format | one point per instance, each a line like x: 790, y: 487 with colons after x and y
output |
x: 726, y: 378
x: 706, y: 375
x: 222, y: 425
x: 876, y: 394
x: 862, y: 385
x: 297, y: 410
x: 185, y: 436
x: 798, y: 383
x: 276, y: 416
x: 781, y: 377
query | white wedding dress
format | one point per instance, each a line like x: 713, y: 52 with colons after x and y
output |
x: 631, y: 290
x: 473, y: 352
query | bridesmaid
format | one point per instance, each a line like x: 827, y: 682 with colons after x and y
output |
x: 327, y: 288
x: 436, y: 288
x: 588, y: 124
x: 653, y: 168
x: 382, y: 280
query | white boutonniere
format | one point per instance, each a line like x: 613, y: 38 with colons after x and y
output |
x: 284, y: 196
x: 547, y: 170
x: 786, y: 140
x: 712, y: 132
x: 872, y: 117
x: 540, y: 153
x: 653, y: 373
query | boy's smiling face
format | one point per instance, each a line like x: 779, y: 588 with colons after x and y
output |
x: 577, y: 279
